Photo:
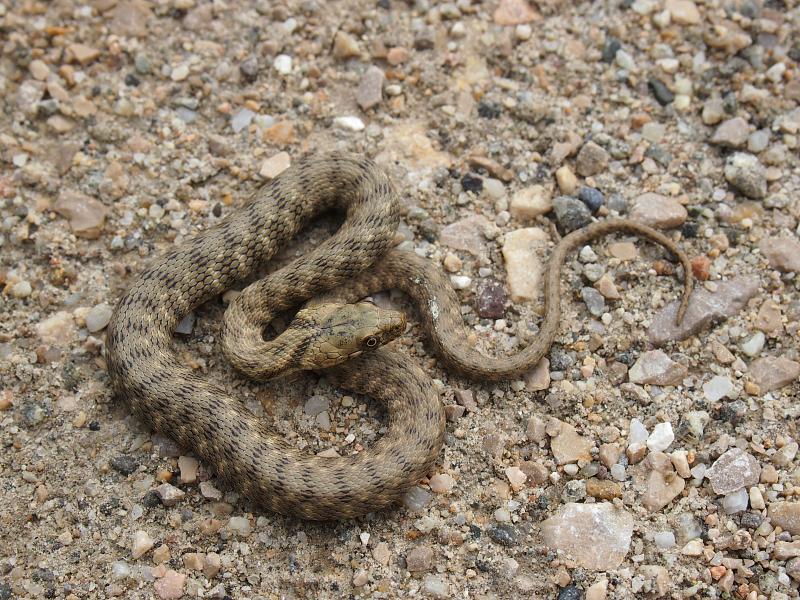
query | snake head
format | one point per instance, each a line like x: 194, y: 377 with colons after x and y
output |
x: 339, y: 332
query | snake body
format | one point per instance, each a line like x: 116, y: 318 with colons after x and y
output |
x: 177, y: 401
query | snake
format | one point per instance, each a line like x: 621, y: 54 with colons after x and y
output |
x: 348, y: 340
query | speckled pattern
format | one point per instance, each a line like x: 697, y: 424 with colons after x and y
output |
x: 200, y: 416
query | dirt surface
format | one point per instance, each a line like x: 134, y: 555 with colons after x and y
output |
x: 639, y: 461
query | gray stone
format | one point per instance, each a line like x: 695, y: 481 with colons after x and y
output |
x: 732, y: 471
x: 316, y: 405
x: 704, y: 309
x: 571, y: 213
x: 370, y: 88
x: 466, y: 234
x: 656, y: 368
x: 594, y: 301
x: 732, y: 133
x: 783, y: 253
x: 747, y: 175
x: 774, y: 372
x: 592, y: 159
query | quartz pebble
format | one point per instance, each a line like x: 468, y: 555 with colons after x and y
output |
x: 655, y: 367
x: 142, y: 543
x: 419, y: 559
x: 568, y: 446
x: 441, y: 483
x: 170, y: 586
x: 774, y: 372
x: 188, y: 466
x: 523, y: 266
x: 86, y: 214
x: 732, y: 471
x: 169, y: 494
x: 732, y: 133
x: 349, y: 123
x: 240, y: 526
x: 514, y: 12
x: 98, y: 317
x: 717, y: 388
x: 786, y: 515
x: 754, y: 344
x: 735, y: 502
x: 783, y: 253
x: 370, y: 88
x: 661, y: 438
x: 435, y: 586
x: 467, y: 234
x: 275, y: 165
x: 530, y: 202
x: 595, y: 536
x: 658, y: 211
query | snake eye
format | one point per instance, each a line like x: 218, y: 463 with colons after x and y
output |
x: 371, y: 341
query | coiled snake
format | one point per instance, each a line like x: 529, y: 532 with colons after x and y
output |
x: 180, y: 403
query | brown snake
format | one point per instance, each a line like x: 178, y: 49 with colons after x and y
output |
x: 146, y: 371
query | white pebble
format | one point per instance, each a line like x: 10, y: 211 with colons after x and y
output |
x: 21, y: 289
x: 523, y: 32
x: 501, y: 515
x: 664, y: 540
x: 661, y: 438
x: 735, y: 501
x: 756, y: 499
x: 283, y: 64
x: 494, y: 187
x: 240, y: 525
x: 754, y: 345
x: 617, y: 472
x: 349, y: 123
x: 638, y: 432
x: 460, y: 282
x: 775, y: 72
x: 625, y: 60
x: 587, y: 255
x: 142, y: 542
x: 719, y: 387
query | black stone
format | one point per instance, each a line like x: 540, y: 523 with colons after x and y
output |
x: 729, y: 102
x: 151, y: 500
x: 124, y: 464
x: 591, y: 197
x: 690, y: 229
x: 570, y: 593
x: 472, y: 183
x: 131, y: 80
x: 504, y: 534
x: 94, y: 426
x: 660, y: 91
x: 751, y: 520
x: 610, y: 50
x: 489, y: 110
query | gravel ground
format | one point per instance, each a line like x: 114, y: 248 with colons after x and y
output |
x: 640, y: 460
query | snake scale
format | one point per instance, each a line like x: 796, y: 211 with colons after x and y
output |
x: 179, y: 402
